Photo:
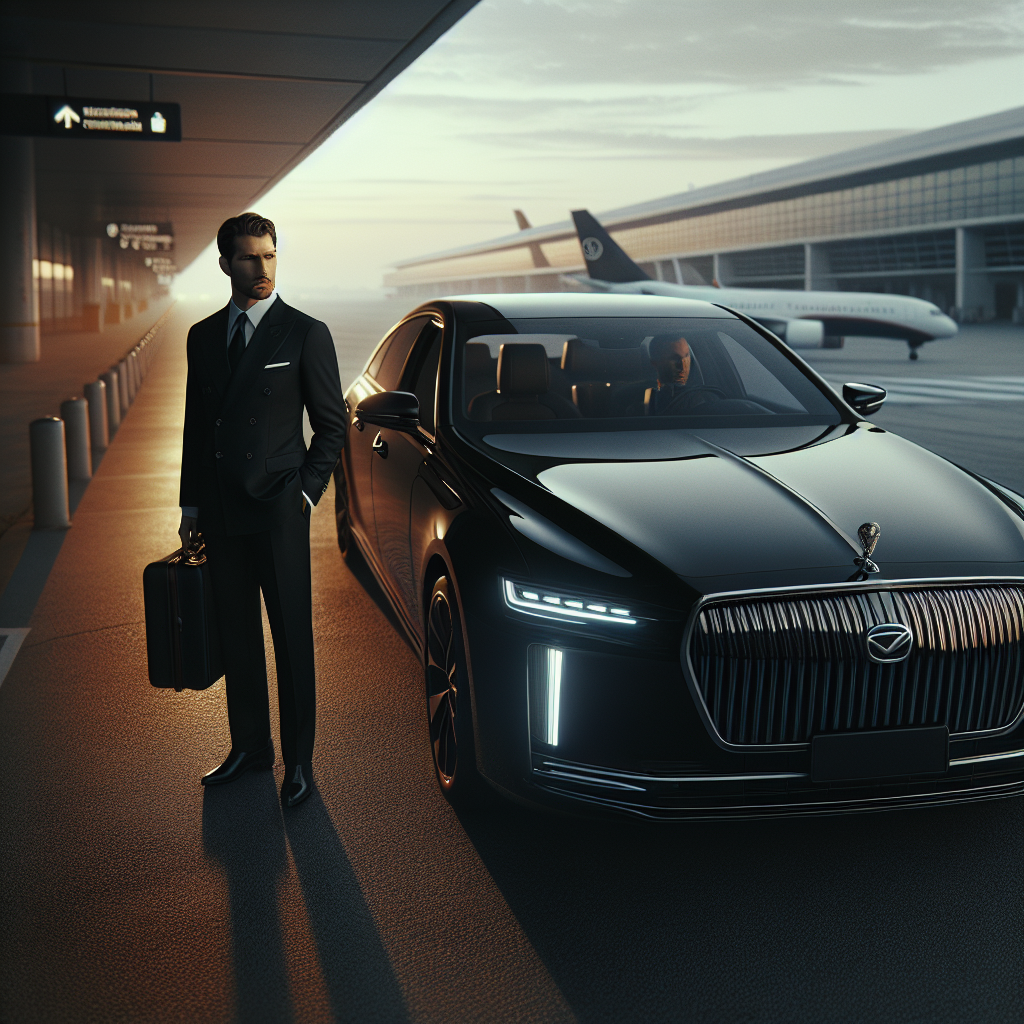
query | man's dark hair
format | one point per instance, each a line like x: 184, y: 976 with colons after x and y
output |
x: 244, y: 224
x: 662, y: 344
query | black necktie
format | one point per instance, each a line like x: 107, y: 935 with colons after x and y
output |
x: 237, y: 346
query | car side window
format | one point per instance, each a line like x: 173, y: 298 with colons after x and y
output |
x: 420, y: 375
x: 759, y: 383
x: 378, y: 357
x: 388, y: 372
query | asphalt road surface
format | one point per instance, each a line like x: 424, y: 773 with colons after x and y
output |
x: 963, y: 398
x: 130, y: 894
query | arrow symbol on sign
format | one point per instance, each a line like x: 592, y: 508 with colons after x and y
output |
x: 67, y: 115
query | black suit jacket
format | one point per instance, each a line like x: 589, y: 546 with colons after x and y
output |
x: 244, y: 462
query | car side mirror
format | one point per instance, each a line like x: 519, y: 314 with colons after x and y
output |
x: 864, y: 398
x: 398, y: 410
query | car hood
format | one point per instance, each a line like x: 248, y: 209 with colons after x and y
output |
x: 717, y: 512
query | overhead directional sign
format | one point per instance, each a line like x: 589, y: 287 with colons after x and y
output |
x: 67, y: 115
x: 73, y: 117
x: 142, y: 237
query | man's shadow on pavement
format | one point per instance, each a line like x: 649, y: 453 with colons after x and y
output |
x: 242, y: 830
x: 245, y: 830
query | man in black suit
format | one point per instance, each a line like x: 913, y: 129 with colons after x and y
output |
x: 248, y: 484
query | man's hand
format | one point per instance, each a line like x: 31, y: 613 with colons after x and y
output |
x: 188, y: 531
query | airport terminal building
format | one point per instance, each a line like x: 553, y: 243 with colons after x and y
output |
x: 937, y: 214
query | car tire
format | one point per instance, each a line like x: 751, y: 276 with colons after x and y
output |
x: 346, y: 545
x: 449, y: 705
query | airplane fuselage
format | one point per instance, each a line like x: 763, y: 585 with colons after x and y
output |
x: 857, y: 313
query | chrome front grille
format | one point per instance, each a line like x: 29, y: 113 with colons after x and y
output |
x: 780, y: 670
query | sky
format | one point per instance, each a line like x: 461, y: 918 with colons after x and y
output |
x: 552, y: 105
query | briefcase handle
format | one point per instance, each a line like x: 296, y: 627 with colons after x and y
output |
x: 194, y: 554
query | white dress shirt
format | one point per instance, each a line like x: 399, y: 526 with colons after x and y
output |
x: 254, y: 314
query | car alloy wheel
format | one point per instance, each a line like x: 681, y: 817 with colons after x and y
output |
x: 346, y: 545
x: 448, y: 700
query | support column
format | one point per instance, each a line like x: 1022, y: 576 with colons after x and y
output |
x: 817, y: 270
x: 92, y: 284
x: 975, y: 293
x: 19, y: 298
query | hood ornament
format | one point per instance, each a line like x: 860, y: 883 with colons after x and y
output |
x: 867, y: 534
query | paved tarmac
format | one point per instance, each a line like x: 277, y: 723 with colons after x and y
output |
x: 131, y: 894
x: 963, y: 398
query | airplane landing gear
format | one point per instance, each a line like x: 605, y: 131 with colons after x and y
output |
x: 914, y: 346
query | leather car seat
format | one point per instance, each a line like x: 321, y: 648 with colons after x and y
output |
x: 605, y: 364
x: 524, y: 380
x: 480, y: 369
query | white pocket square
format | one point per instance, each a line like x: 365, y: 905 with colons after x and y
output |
x: 274, y: 366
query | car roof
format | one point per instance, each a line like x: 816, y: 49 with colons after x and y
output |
x: 571, y: 304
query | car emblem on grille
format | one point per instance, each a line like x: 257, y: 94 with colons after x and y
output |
x: 867, y: 534
x: 889, y: 642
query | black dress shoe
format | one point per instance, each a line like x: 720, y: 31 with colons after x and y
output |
x: 298, y: 784
x: 238, y: 762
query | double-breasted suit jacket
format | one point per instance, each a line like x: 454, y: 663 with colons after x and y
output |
x: 245, y: 464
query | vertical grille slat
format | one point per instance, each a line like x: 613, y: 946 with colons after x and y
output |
x: 780, y: 670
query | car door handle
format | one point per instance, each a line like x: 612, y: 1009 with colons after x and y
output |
x: 380, y: 446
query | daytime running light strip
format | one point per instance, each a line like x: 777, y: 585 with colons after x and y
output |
x: 544, y: 603
x: 554, y: 693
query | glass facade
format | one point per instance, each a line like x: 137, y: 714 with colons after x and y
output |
x: 993, y: 189
x: 767, y: 264
x: 1004, y: 246
x: 894, y: 254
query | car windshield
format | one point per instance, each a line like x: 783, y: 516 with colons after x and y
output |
x: 604, y: 373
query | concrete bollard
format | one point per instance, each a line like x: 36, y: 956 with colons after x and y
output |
x: 75, y: 414
x: 133, y: 376
x: 122, y: 391
x: 49, y: 474
x: 99, y: 431
x: 126, y: 395
x: 113, y: 401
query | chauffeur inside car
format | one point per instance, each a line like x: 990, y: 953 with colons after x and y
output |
x: 671, y: 358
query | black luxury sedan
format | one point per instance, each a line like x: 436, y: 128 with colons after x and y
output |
x: 656, y: 566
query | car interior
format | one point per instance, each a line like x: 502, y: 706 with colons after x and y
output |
x: 523, y: 377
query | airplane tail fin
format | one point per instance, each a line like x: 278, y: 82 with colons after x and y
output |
x: 536, y: 252
x: 606, y: 260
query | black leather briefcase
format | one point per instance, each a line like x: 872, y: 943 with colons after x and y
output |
x: 182, y: 638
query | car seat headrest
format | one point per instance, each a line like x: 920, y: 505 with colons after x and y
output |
x: 479, y: 362
x: 605, y: 363
x: 523, y: 370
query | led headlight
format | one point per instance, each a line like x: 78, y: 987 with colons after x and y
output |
x: 556, y: 604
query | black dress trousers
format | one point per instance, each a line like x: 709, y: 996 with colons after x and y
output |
x: 275, y: 561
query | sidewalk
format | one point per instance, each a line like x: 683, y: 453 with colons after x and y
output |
x: 69, y: 360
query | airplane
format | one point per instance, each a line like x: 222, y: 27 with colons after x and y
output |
x: 803, y: 319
